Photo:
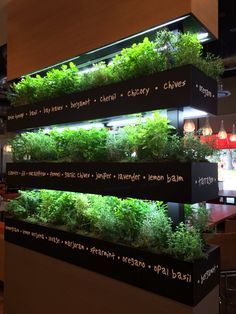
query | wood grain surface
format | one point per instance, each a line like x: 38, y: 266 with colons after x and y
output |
x: 42, y: 33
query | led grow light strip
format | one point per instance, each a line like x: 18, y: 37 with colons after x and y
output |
x: 141, y: 33
x: 110, y: 45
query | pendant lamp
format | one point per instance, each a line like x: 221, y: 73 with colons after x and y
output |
x: 222, y: 134
x: 206, y: 130
x: 189, y: 126
x: 233, y: 135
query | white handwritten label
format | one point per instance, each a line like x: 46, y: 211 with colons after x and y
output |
x: 138, y: 91
x: 206, y: 92
x: 180, y: 276
x: 37, y: 235
x: 107, y: 176
x: 70, y: 175
x: 129, y: 177
x: 12, y: 229
x: 174, y: 84
x: 159, y: 269
x: 201, y: 181
x: 57, y: 108
x: 46, y: 110
x: 174, y: 178
x: 208, y: 274
x: 169, y: 272
x: 156, y: 177
x: 53, y: 239
x: 19, y: 116
x: 33, y: 112
x: 103, y: 176
x: 10, y: 117
x: 37, y: 173
x: 12, y: 173
x: 55, y: 174
x: 108, y: 98
x: 107, y: 254
x: 172, y: 273
x: 133, y: 262
x: 83, y: 175
x: 80, y: 103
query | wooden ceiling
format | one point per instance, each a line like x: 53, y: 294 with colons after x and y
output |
x: 3, y: 21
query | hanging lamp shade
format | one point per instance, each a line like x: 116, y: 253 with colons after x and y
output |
x: 7, y: 148
x: 222, y: 134
x: 189, y: 126
x: 207, y: 130
x: 233, y: 135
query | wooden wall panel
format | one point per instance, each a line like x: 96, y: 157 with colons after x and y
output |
x: 42, y: 33
x: 207, y: 12
x: 3, y: 21
x: 36, y: 283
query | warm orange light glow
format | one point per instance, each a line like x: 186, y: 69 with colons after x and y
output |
x: 233, y: 135
x: 206, y: 130
x: 189, y: 126
x: 222, y: 133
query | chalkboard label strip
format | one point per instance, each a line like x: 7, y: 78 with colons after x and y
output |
x: 182, y: 281
x: 167, y: 181
x: 175, y: 88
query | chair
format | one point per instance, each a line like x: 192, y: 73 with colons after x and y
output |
x: 227, y: 243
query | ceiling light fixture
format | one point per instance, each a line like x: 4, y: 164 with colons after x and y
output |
x: 75, y: 127
x: 202, y: 36
x: 142, y: 33
x: 190, y: 113
x: 123, y: 122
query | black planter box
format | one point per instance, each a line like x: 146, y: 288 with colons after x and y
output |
x: 167, y: 181
x: 175, y: 88
x: 182, y: 281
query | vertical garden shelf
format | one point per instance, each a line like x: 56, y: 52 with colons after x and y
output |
x: 180, y: 87
x: 185, y: 86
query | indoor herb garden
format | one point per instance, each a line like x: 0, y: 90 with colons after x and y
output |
x: 138, y: 223
x: 153, y: 140
x: 123, y: 237
x: 169, y: 50
x: 144, y: 160
x: 171, y: 71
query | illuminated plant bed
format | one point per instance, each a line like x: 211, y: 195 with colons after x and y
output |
x: 184, y: 86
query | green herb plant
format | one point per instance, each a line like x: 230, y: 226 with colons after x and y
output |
x: 168, y: 50
x: 186, y: 243
x: 153, y: 140
x: 80, y: 144
x: 187, y: 148
x: 134, y: 222
x: 33, y: 146
x: 197, y: 216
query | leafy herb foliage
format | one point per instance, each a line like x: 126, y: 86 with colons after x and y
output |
x: 150, y: 141
x: 139, y: 223
x: 168, y: 50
